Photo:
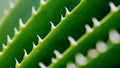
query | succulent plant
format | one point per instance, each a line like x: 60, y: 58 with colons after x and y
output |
x: 60, y: 34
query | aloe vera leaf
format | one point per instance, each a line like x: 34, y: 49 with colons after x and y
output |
x: 16, y: 13
x: 89, y: 39
x: 64, y: 29
x: 11, y: 20
x: 101, y: 56
x: 27, y: 34
x: 107, y: 59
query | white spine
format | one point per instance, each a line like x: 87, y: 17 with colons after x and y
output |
x: 57, y: 53
x: 92, y: 53
x: 33, y: 10
x: 72, y: 41
x: 67, y: 11
x: 21, y: 23
x: 113, y: 7
x: 88, y: 28
x: 17, y: 63
x: 9, y: 39
x: 95, y: 21
x: 34, y: 46
x: 101, y: 46
x: 114, y: 36
x: 11, y: 4
x: 52, y: 25
x: 39, y: 38
x: 81, y: 59
x: 16, y: 31
x: 42, y: 2
x: 71, y: 65
x: 53, y: 60
x: 25, y: 53
x: 4, y: 46
x: 62, y: 18
x: 42, y: 65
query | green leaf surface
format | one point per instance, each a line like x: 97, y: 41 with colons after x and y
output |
x: 57, y: 38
